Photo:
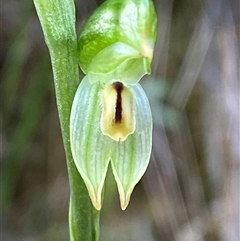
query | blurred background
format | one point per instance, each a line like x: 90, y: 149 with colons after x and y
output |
x: 190, y: 191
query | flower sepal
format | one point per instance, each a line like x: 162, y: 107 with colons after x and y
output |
x: 95, y: 142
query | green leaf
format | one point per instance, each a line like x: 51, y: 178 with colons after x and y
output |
x: 90, y: 148
x: 129, y: 159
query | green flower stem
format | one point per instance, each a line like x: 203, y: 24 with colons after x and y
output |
x: 57, y: 18
x: 96, y: 224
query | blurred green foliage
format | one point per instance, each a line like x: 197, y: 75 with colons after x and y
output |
x: 190, y: 191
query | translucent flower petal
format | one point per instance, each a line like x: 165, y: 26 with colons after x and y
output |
x: 129, y: 159
x: 90, y: 148
x: 118, y: 61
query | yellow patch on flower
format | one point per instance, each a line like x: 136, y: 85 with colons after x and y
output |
x: 117, y: 120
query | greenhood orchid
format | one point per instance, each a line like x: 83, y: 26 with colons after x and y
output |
x: 111, y: 120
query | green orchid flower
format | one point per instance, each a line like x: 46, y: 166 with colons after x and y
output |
x: 109, y: 126
x: 111, y: 121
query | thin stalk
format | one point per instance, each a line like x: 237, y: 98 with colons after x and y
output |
x: 57, y: 18
x: 96, y: 224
